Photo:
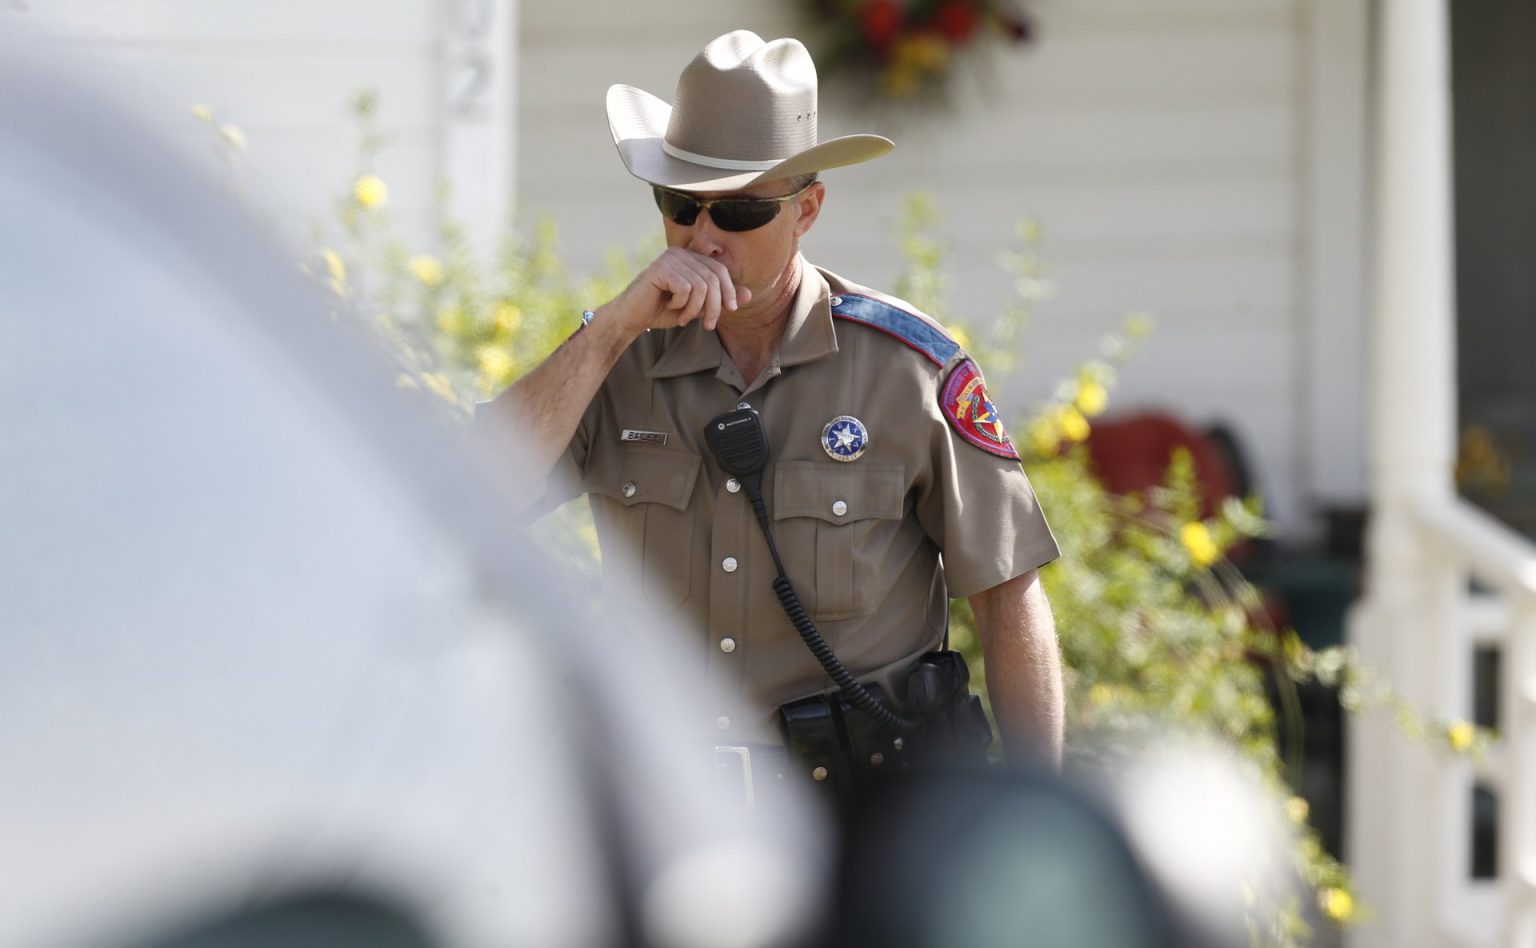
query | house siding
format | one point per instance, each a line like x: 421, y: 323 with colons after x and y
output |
x: 1195, y: 159
x: 286, y: 74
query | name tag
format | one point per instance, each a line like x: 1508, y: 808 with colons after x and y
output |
x: 646, y: 437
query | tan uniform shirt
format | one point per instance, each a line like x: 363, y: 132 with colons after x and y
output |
x: 861, y: 540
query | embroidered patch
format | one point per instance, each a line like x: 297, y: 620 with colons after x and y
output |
x: 844, y: 438
x: 971, y: 412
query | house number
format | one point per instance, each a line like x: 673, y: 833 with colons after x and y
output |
x: 469, y: 29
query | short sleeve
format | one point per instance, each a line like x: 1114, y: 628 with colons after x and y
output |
x: 976, y: 502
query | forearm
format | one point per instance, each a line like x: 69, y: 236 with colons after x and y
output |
x: 539, y: 413
x: 1023, y: 668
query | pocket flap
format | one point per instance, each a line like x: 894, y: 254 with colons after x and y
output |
x: 642, y: 474
x: 871, y: 491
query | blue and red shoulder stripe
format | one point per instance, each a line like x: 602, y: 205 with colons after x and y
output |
x: 963, y: 397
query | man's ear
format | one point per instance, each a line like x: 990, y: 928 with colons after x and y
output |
x: 809, y: 205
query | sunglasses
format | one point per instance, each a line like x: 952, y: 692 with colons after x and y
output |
x: 734, y: 214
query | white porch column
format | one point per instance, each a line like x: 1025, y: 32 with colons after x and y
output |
x: 1394, y: 818
x: 478, y: 114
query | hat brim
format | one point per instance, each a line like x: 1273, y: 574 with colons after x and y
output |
x: 638, y: 121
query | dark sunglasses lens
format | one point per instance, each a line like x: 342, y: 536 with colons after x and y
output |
x: 678, y: 208
x: 743, y: 215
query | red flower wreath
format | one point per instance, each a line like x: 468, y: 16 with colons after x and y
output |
x: 907, y: 46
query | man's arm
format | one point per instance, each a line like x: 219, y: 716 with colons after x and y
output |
x: 1023, y: 664
x: 539, y: 413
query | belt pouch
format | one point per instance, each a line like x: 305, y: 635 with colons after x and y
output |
x: 810, y: 733
x: 870, y: 743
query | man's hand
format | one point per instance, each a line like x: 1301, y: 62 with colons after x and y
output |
x: 678, y: 287
x: 540, y: 412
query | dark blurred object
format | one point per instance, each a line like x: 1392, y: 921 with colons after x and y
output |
x: 1010, y: 858
x: 316, y: 922
x: 996, y: 860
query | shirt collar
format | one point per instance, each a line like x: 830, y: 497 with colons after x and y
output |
x: 808, y: 334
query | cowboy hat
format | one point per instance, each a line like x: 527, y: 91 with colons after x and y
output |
x: 744, y: 113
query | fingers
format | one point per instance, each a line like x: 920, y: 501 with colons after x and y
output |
x: 694, y: 287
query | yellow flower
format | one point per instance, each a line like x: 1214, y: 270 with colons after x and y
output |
x: 924, y: 52
x: 202, y: 113
x: 899, y: 80
x: 370, y: 191
x: 450, y: 320
x: 960, y: 336
x: 1336, y: 903
x: 336, y: 269
x: 1461, y: 734
x: 506, y: 318
x: 1044, y: 436
x: 1197, y: 540
x: 438, y: 384
x: 232, y: 135
x: 495, y: 364
x: 1092, y: 399
x: 1074, y: 427
x: 427, y: 269
x: 1297, y: 810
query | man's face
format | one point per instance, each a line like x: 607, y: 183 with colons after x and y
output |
x: 758, y: 259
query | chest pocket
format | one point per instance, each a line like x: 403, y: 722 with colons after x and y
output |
x: 840, y: 516
x: 645, y: 493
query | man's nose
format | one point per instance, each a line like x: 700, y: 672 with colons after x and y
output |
x: 705, y: 238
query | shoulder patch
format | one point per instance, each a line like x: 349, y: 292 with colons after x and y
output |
x: 970, y: 412
x: 895, y: 321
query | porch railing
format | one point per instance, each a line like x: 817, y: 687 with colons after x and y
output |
x: 1477, y: 590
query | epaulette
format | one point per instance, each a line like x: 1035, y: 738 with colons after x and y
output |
x: 910, y: 328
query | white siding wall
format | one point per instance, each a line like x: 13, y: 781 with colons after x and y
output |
x: 1198, y: 159
x: 285, y: 72
x: 1166, y: 150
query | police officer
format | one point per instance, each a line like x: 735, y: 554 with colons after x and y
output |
x: 891, y: 485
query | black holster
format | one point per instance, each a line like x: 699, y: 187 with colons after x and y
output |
x: 842, y: 749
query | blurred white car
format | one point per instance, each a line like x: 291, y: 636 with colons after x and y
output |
x: 273, y: 664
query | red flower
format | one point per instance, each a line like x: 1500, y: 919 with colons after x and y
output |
x: 956, y: 20
x: 880, y: 21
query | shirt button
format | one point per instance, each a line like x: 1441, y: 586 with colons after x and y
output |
x: 728, y: 564
x: 839, y: 508
x: 723, y: 722
x: 629, y: 489
x: 733, y: 485
x: 727, y: 644
x: 820, y: 773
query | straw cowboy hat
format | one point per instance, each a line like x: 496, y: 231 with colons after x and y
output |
x: 745, y: 112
